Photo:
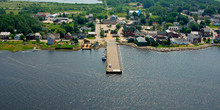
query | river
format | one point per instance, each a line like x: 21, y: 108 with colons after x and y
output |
x: 65, y: 1
x: 67, y: 80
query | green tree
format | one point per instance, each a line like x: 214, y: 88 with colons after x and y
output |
x: 118, y: 26
x: 143, y: 21
x: 207, y: 22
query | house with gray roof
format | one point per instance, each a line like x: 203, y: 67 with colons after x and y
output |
x: 141, y: 41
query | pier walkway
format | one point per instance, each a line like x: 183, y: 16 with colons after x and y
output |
x: 113, y: 65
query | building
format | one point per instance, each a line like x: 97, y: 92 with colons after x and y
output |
x: 109, y: 21
x: 68, y: 36
x: 18, y: 36
x: 152, y: 33
x: 56, y: 35
x: 205, y: 32
x: 30, y: 36
x: 174, y: 28
x: 37, y: 36
x: 160, y: 38
x: 4, y: 35
x: 136, y: 11
x: 93, y: 34
x: 137, y: 33
x: 141, y: 41
x: 42, y: 14
x: 90, y: 16
x: 51, y: 39
x: 61, y: 20
x: 180, y: 41
x: 171, y: 33
x: 113, y: 17
x: 194, y: 38
x: 81, y: 35
x: 217, y: 37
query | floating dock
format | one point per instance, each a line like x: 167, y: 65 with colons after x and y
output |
x: 113, y: 65
x: 86, y: 47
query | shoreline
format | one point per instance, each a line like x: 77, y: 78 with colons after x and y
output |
x: 165, y: 49
x: 171, y: 48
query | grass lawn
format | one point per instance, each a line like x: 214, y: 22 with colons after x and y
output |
x: 16, y: 47
x: 14, y: 11
x: 90, y: 37
x: 211, y: 26
x: 121, y: 14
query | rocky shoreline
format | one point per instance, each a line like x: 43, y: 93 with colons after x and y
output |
x: 171, y: 48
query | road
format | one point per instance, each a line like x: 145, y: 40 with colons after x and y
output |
x: 98, y: 30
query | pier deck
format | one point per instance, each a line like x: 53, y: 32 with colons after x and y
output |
x: 112, y: 59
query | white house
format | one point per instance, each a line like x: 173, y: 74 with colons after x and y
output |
x: 37, y: 36
x: 4, y: 35
x: 51, y: 39
x: 18, y: 36
x: 174, y: 28
x: 180, y: 41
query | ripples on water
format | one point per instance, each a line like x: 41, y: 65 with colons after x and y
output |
x: 77, y: 80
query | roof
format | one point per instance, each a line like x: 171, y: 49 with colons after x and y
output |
x: 5, y: 33
x: 37, y: 34
x: 140, y: 39
x: 109, y: 21
x: 168, y: 31
x: 193, y: 36
x: 92, y: 33
x: 194, y: 32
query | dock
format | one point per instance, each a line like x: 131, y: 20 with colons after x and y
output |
x: 113, y: 65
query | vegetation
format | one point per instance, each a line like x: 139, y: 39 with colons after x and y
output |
x: 22, y: 23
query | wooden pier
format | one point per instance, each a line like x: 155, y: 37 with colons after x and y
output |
x: 113, y: 65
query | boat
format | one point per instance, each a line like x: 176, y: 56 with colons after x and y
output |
x: 103, y: 57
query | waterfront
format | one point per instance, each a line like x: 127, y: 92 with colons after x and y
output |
x: 65, y: 1
x: 77, y: 80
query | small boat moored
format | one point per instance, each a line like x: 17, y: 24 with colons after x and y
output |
x: 103, y: 57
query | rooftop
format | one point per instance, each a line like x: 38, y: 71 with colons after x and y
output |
x: 141, y: 39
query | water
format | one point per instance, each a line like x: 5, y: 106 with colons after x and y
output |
x: 65, y: 1
x: 77, y: 80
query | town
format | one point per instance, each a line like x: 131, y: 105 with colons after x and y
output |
x: 68, y: 30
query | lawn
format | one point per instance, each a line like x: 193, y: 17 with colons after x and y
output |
x: 211, y: 26
x: 90, y: 37
x: 16, y: 47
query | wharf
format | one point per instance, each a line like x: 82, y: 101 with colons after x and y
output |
x: 112, y: 59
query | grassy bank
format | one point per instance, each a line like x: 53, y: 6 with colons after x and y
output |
x: 15, y: 46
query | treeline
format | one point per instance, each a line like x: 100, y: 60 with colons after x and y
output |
x: 164, y: 6
x: 21, y: 23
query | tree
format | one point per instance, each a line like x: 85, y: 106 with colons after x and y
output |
x: 148, y: 3
x: 168, y: 41
x: 171, y: 19
x: 150, y: 22
x: 187, y: 30
x: 167, y: 25
x: 195, y: 16
x: 134, y: 14
x: 2, y: 11
x: 207, y: 22
x: 143, y: 21
x: 194, y: 26
x: 118, y: 26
